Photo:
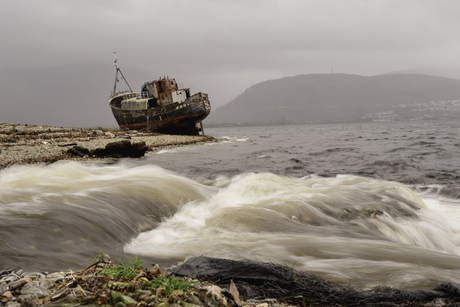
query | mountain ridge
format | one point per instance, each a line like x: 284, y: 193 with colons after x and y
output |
x: 329, y: 98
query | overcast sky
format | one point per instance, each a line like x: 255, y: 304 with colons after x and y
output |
x: 223, y: 47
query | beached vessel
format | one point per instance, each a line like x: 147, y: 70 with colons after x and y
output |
x: 162, y: 105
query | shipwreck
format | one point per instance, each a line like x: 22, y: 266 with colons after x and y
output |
x: 162, y: 106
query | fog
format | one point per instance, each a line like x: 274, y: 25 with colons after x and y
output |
x: 218, y: 47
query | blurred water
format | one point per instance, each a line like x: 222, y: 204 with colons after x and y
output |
x: 366, y: 204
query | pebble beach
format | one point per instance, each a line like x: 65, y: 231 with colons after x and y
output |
x: 26, y: 144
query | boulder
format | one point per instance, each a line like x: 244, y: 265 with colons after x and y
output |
x: 119, y: 149
x: 122, y: 149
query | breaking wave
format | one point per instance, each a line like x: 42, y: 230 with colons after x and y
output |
x: 347, y: 228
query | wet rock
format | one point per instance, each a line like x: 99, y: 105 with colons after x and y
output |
x: 29, y: 300
x: 121, y: 149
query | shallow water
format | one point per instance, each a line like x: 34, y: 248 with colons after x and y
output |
x: 365, y: 204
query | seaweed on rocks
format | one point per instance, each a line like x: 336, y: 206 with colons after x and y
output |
x: 256, y: 280
x: 201, y: 281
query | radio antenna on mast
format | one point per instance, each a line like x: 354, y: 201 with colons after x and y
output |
x: 116, y: 61
x: 116, y: 75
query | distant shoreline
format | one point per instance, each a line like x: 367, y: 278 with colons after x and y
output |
x: 32, y: 144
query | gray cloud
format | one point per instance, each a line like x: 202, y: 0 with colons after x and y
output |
x: 223, y: 47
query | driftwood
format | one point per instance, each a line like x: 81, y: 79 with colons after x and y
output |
x: 14, y: 285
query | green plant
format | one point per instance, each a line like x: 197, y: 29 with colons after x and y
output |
x: 130, y: 268
x: 98, y: 258
x: 169, y: 284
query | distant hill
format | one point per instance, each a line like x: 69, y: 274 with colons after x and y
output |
x: 446, y: 72
x: 330, y: 98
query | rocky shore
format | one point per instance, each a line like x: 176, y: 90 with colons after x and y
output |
x: 200, y: 281
x: 24, y: 144
x: 105, y: 284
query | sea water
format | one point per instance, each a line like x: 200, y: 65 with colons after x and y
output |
x: 364, y: 204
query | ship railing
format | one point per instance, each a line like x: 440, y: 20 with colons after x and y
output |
x: 130, y: 95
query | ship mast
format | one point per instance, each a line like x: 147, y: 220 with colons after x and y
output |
x: 116, y: 75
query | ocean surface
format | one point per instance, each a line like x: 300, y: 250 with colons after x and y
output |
x: 364, y: 204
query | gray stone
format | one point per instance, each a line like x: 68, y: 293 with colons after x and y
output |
x: 12, y: 304
x: 46, y: 283
x: 31, y: 288
x: 29, y: 300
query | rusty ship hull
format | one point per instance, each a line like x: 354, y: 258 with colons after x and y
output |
x: 162, y: 106
x: 175, y: 118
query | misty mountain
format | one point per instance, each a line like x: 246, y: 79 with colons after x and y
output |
x: 330, y: 98
x: 66, y: 95
x: 446, y: 72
